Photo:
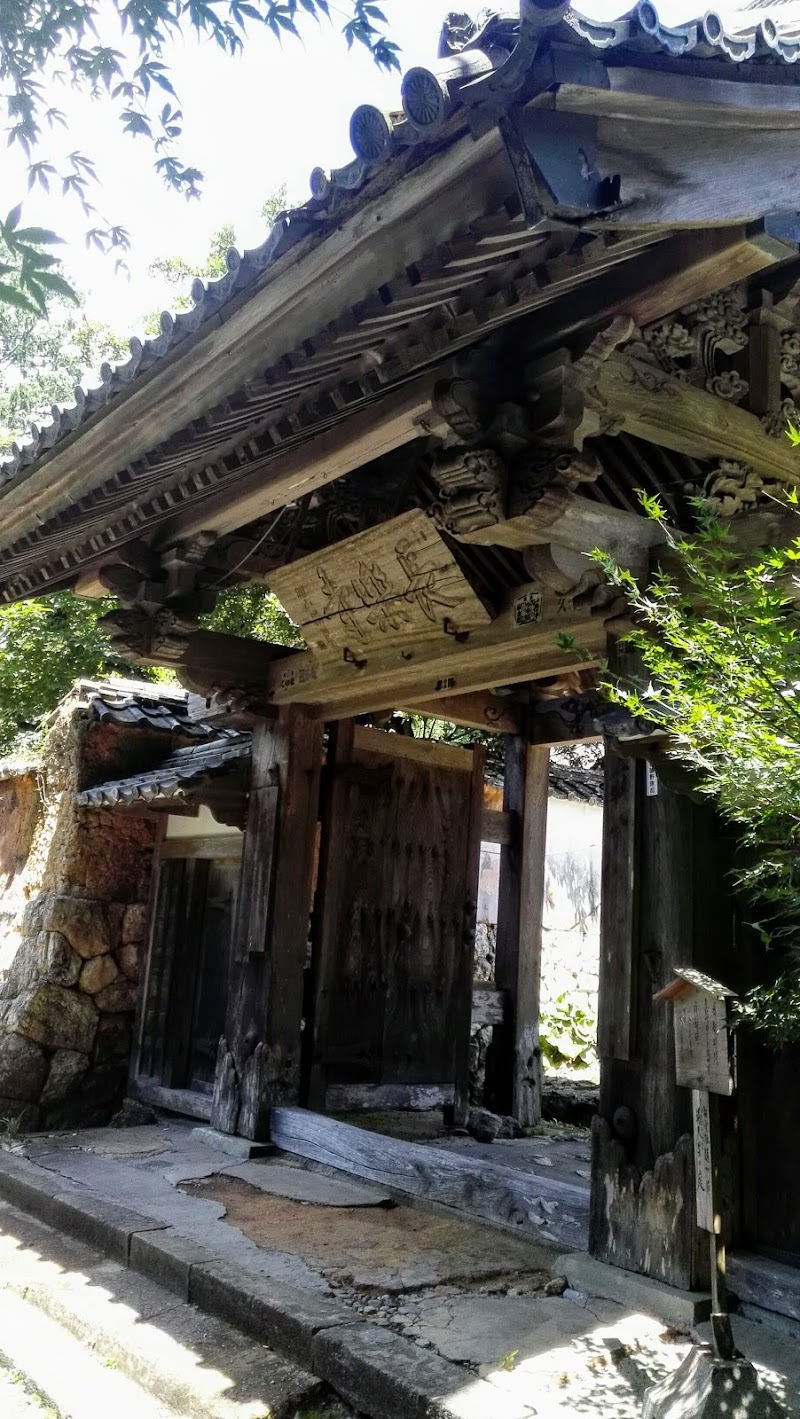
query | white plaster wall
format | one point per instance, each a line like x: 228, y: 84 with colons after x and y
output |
x: 203, y: 826
x: 571, y: 920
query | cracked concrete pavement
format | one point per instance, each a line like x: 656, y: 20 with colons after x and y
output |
x: 471, y: 1295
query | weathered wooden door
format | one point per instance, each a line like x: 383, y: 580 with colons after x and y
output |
x: 184, y: 995
x: 395, y: 922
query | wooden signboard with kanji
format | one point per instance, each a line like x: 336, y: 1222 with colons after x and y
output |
x: 702, y: 1031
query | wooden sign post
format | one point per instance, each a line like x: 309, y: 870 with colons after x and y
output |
x: 704, y: 1063
x: 713, y: 1382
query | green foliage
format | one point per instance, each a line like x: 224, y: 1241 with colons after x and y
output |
x: 253, y: 611
x: 508, y: 1362
x: 718, y: 636
x: 118, y: 48
x: 29, y: 274
x: 41, y: 361
x: 44, y: 647
x: 568, y: 1033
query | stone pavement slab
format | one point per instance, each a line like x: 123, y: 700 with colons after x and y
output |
x: 481, y: 1330
x: 140, y: 1184
x: 381, y: 1298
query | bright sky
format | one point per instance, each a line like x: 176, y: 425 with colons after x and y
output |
x: 250, y: 123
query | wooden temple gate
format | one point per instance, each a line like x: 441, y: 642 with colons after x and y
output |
x: 569, y: 271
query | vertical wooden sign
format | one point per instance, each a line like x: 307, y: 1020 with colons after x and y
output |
x: 703, y: 1161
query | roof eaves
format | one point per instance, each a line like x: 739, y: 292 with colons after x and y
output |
x: 493, y: 57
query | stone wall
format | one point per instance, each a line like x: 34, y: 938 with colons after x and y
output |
x: 72, y: 918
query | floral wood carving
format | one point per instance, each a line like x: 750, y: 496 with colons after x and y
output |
x: 697, y: 343
x: 733, y: 488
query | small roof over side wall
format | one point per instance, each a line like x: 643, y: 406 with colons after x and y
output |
x: 144, y: 704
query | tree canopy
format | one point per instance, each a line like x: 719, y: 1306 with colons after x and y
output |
x: 121, y: 48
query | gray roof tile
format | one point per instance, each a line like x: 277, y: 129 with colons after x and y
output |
x: 177, y: 777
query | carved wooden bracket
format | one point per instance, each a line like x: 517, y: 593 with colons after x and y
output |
x: 472, y: 489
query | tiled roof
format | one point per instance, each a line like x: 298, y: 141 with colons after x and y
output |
x: 487, y: 60
x: 177, y: 777
x: 580, y: 785
x: 143, y: 705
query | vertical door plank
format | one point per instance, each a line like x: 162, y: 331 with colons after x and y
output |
x: 258, y: 1062
x: 254, y: 912
x: 336, y: 791
x: 514, y: 1073
x: 499, y: 1091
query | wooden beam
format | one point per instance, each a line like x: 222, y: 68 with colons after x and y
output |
x: 644, y: 401
x: 527, y: 1097
x: 378, y: 1098
x: 488, y: 1005
x: 403, y: 746
x: 498, y: 827
x: 499, y: 1088
x: 177, y: 1101
x: 214, y: 846
x: 579, y: 524
x: 689, y: 174
x: 501, y: 1195
x: 514, y: 1072
x: 465, y: 947
x: 480, y: 710
x: 511, y: 649
x: 617, y: 910
x: 683, y: 268
x: 654, y: 97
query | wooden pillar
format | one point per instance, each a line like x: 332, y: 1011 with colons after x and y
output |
x: 514, y: 1072
x: 666, y: 903
x: 331, y: 881
x: 465, y: 954
x: 258, y: 1060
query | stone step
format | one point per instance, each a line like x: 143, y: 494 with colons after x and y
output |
x: 195, y: 1365
x: 159, y: 1281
